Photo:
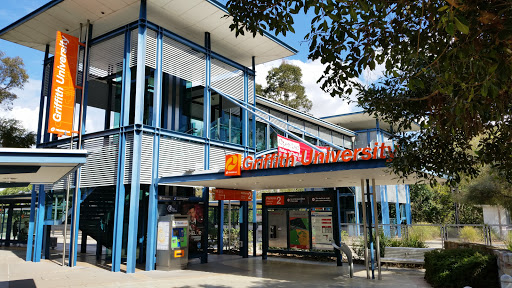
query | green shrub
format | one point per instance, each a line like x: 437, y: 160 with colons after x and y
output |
x: 461, y: 267
x: 470, y: 234
x: 412, y: 242
x: 424, y: 233
x: 508, y: 242
x: 358, y: 245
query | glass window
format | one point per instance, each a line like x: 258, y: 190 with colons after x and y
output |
x: 149, y: 90
x: 191, y: 102
x: 310, y: 139
x: 273, y: 136
x: 226, y: 124
x: 261, y: 136
x: 361, y: 140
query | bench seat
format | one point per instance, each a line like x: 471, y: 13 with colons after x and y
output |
x: 406, y: 255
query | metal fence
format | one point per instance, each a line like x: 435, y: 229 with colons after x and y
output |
x: 434, y: 235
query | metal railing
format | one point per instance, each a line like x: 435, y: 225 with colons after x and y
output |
x: 434, y: 235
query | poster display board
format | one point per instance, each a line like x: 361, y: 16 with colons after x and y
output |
x: 162, y: 242
x: 322, y: 228
x: 299, y: 229
x: 195, y: 211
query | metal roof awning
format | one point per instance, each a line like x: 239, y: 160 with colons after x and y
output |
x: 340, y: 174
x: 189, y: 19
x: 357, y: 121
x: 21, y: 167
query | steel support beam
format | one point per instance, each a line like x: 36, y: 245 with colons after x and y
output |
x: 220, y: 228
x: 153, y: 188
x: 30, y: 234
x: 39, y: 224
x: 131, y: 251
x: 120, y: 187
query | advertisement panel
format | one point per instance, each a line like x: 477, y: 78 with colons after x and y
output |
x: 62, y: 97
x: 322, y: 228
x: 195, y: 211
x: 299, y: 229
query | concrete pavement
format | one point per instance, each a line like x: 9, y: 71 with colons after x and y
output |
x: 221, y: 271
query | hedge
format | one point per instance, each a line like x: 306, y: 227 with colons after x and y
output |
x: 460, y: 268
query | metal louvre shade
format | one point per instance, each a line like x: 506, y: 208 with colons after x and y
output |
x: 183, y: 62
x: 106, y: 58
x: 128, y: 159
x: 261, y: 114
x: 276, y: 122
x: 311, y: 128
x: 218, y: 156
x: 325, y: 134
x: 250, y: 88
x: 151, y: 48
x: 146, y: 159
x: 101, y: 166
x: 227, y: 79
x: 134, y: 36
x: 337, y: 139
x: 178, y: 156
x: 297, y: 123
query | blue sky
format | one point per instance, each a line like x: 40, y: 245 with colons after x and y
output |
x: 26, y: 107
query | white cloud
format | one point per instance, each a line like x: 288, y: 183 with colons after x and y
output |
x: 323, y: 103
x: 26, y: 107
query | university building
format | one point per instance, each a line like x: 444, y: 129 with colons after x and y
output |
x: 169, y: 91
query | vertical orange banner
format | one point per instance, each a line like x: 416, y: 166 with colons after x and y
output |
x: 63, y: 84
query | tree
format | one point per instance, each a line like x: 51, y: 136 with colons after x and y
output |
x: 12, y: 75
x: 437, y: 205
x: 447, y: 67
x: 16, y: 190
x: 284, y: 85
x: 13, y: 134
x: 488, y: 189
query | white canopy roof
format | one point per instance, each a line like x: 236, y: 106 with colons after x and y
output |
x: 187, y: 18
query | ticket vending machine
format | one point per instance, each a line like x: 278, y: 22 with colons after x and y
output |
x: 172, y: 242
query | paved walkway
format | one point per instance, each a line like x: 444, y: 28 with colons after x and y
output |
x: 221, y: 271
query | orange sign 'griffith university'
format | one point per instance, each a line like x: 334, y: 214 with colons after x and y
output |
x: 63, y: 84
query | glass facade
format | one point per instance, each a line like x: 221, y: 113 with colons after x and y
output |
x: 226, y: 120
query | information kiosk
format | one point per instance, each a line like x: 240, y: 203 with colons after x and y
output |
x: 172, y: 242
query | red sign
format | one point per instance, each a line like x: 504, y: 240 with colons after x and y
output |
x: 230, y: 194
x: 274, y: 200
x: 233, y: 165
x: 288, y: 146
x: 62, y: 103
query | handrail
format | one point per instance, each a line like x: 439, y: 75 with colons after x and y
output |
x: 237, y: 102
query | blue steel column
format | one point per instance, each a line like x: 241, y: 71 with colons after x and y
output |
x: 9, y: 225
x: 206, y: 135
x: 41, y: 101
x: 398, y: 217
x: 220, y: 242
x: 254, y: 201
x: 408, y: 205
x: 356, y: 212
x: 131, y: 251
x: 153, y: 189
x: 385, y: 209
x: 120, y: 187
x: 244, y: 229
x: 39, y: 224
x: 30, y: 234
x: 77, y: 194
